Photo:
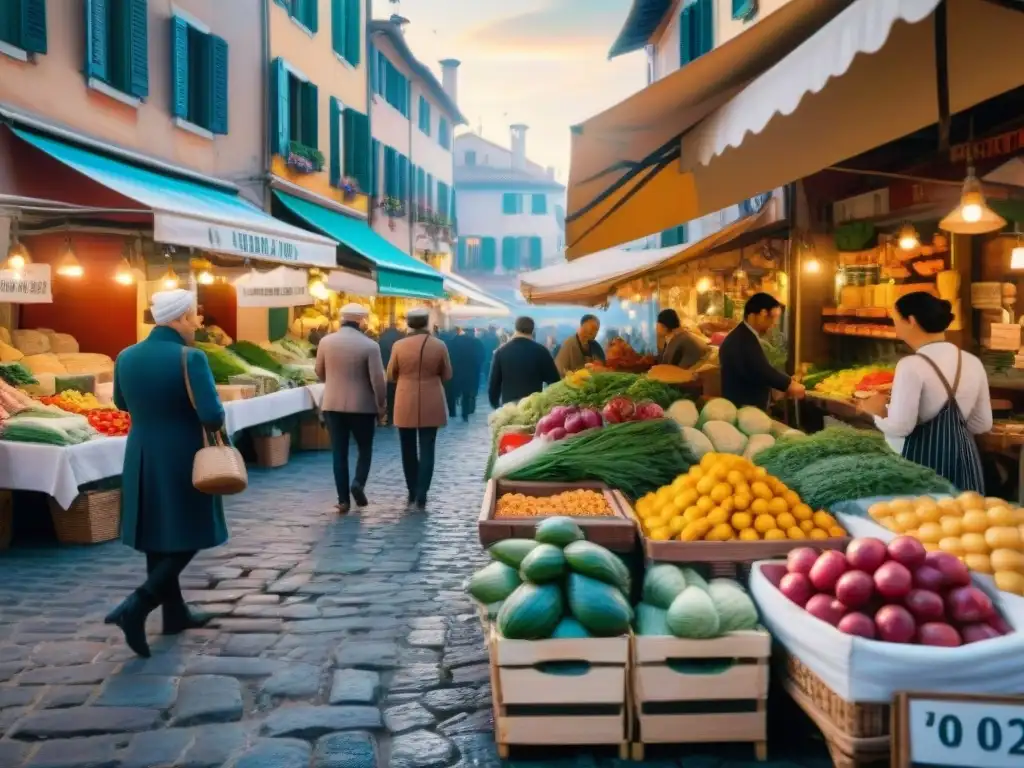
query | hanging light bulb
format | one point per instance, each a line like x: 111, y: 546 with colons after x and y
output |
x: 812, y: 266
x: 972, y: 216
x: 318, y: 290
x: 205, y: 277
x: 68, y: 264
x: 739, y: 274
x: 907, y: 238
x: 17, y: 254
x: 170, y: 279
x: 124, y: 274
x: 704, y: 285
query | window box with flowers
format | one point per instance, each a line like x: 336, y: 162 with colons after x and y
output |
x: 393, y: 208
x: 349, y: 188
x: 304, y: 159
x: 438, y: 227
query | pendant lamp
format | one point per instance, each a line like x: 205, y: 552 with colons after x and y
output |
x: 17, y: 254
x: 972, y: 216
x: 907, y: 238
x: 68, y: 264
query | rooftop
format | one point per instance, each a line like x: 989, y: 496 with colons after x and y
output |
x: 482, y: 175
x: 643, y: 19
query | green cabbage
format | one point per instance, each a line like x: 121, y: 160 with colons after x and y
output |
x: 693, y: 615
x: 718, y: 409
x: 725, y: 437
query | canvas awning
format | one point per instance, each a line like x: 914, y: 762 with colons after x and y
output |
x: 342, y: 281
x: 637, y: 140
x: 474, y: 294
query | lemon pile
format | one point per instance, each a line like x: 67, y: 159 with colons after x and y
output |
x: 987, y: 534
x: 725, y: 498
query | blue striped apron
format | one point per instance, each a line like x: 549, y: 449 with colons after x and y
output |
x: 944, y: 444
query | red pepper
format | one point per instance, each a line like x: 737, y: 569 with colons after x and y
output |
x: 511, y: 441
x: 875, y: 380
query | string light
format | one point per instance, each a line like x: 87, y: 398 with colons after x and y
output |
x: 124, y: 274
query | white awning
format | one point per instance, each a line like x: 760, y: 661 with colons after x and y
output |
x: 346, y: 282
x: 457, y: 284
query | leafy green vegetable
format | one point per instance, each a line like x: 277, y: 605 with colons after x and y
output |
x: 16, y: 374
x: 257, y: 355
x: 791, y: 455
x: 844, y: 478
x: 223, y: 363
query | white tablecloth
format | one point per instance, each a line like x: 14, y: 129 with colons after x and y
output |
x: 58, y: 471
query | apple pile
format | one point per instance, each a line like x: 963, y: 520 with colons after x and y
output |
x: 898, y: 593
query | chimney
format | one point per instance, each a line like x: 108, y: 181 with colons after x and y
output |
x: 518, y: 145
x: 450, y: 78
x: 399, y: 21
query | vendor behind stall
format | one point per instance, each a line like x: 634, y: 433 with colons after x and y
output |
x: 678, y: 347
x: 582, y: 348
x: 747, y: 376
x: 940, y: 396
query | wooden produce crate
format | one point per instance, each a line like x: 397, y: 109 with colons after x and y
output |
x: 537, y: 707
x: 272, y: 452
x: 313, y: 435
x: 616, y: 532
x: 93, y: 517
x: 679, y: 705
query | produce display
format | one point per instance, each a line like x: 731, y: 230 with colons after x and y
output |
x: 265, y: 360
x: 843, y: 384
x: 72, y: 401
x: 791, y: 455
x: 576, y: 503
x: 17, y: 375
x: 679, y: 602
x: 721, y: 427
x: 556, y: 585
x: 110, y: 422
x: 620, y: 356
x: 228, y: 367
x: 564, y: 420
x: 724, y: 498
x: 895, y: 593
x: 986, y: 534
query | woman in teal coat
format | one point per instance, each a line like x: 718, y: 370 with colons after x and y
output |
x: 162, y: 514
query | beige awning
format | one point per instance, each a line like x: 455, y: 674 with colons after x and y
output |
x: 638, y: 140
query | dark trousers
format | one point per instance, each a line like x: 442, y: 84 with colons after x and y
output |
x: 456, y: 393
x: 361, y: 426
x: 392, y: 387
x: 418, y: 463
x: 162, y: 572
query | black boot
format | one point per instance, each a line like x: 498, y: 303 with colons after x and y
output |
x: 178, y: 617
x: 130, y: 616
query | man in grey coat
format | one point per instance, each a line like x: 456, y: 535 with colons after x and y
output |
x: 355, y: 399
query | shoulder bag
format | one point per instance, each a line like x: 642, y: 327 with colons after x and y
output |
x: 218, y: 468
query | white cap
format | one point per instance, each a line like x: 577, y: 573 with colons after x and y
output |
x: 168, y: 306
x: 353, y: 313
x: 418, y: 312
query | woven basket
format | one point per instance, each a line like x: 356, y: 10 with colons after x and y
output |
x: 94, y: 516
x: 313, y: 436
x: 856, y: 720
x: 272, y: 452
x: 6, y: 519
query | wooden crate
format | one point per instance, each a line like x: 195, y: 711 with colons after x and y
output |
x: 658, y: 688
x: 535, y: 707
x: 617, y: 532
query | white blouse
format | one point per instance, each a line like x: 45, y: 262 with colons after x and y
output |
x: 918, y: 394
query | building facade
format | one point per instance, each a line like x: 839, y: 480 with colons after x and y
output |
x: 413, y: 117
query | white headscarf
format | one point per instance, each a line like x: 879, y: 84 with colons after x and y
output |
x: 168, y: 306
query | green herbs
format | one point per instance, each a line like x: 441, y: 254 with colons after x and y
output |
x: 844, y: 478
x: 17, y: 375
x: 256, y: 355
x: 791, y: 455
x: 223, y: 363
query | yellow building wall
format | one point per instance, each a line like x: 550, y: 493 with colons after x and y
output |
x: 314, y: 56
x: 726, y: 27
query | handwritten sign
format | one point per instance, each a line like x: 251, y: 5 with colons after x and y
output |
x: 281, y: 287
x: 29, y: 285
x: 957, y: 731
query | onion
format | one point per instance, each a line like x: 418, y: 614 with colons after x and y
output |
x: 907, y: 551
x: 591, y: 418
x: 826, y: 608
x: 938, y: 633
x: 925, y: 605
x: 1000, y: 625
x: 559, y: 413
x: 858, y: 624
x: 975, y: 633
x: 893, y: 580
x: 574, y: 423
x: 866, y: 554
x: 895, y: 624
x: 797, y: 587
x: 544, y: 425
x: 801, y: 560
x: 855, y: 588
x: 827, y: 569
x: 558, y: 433
x: 930, y: 578
x: 954, y: 572
x: 968, y: 605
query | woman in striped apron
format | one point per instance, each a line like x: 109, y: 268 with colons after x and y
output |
x: 939, y: 398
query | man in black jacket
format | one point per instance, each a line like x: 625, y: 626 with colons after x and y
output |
x: 521, y: 367
x: 747, y: 376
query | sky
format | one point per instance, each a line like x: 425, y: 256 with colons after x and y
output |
x: 539, y: 62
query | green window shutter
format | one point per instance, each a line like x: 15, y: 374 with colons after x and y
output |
x: 388, y: 171
x: 536, y: 253
x: 338, y: 10
x: 312, y: 19
x: 686, y: 51
x: 32, y: 35
x: 335, y: 148
x: 137, y: 79
x: 509, y: 254
x: 358, y: 149
x: 374, y: 186
x: 179, y: 67
x: 508, y: 203
x: 538, y: 204
x: 488, y: 254
x: 706, y: 26
x: 430, y: 190
x: 280, y: 136
x: 403, y: 178
x: 421, y: 186
x: 218, y: 85
x: 310, y: 120
x: 451, y: 214
x: 353, y: 32
x: 460, y: 258
x: 442, y: 199
x: 97, y: 35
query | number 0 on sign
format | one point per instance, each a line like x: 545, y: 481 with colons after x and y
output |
x: 958, y: 731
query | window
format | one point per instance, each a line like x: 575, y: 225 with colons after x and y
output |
x: 293, y: 112
x: 303, y: 11
x: 535, y: 253
x: 509, y: 254
x: 696, y: 31
x: 444, y: 137
x: 390, y: 83
x: 396, y: 174
x: 117, y: 45
x: 425, y: 115
x: 346, y: 26
x: 375, y: 173
x: 744, y: 9
x: 469, y: 254
x: 421, y: 186
x: 350, y: 140
x: 488, y: 254
x: 430, y: 191
x: 199, y: 67
x: 470, y: 157
x: 674, y: 236
x: 23, y: 24
x: 444, y: 200
x: 511, y: 203
x: 538, y: 205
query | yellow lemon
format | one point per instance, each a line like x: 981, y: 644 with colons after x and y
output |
x: 930, y: 533
x: 777, y: 506
x: 785, y: 520
x: 878, y: 510
x: 774, y: 534
x: 778, y: 487
x: 705, y: 504
x: 952, y: 545
x: 705, y: 485
x: 721, y: 492
x: 717, y: 516
x: 824, y: 520
x: 761, y: 490
x: 837, y: 532
x: 696, y: 472
x: 901, y: 505
x: 749, y: 534
x: 950, y: 507
x: 708, y: 460
x: 887, y: 522
x: 677, y: 524
x: 759, y: 507
x: 760, y: 472
x: 727, y: 504
x: 763, y: 523
x: 643, y: 505
x: 975, y: 521
x: 951, y: 526
x: 971, y: 500
x: 906, y: 521
x: 974, y: 544
x: 795, y: 533
x: 692, y: 514
x: 687, y: 498
x: 802, y: 512
x: 743, y: 489
x: 740, y: 502
x: 741, y: 520
x: 1001, y: 515
x: 720, y: 472
x: 660, y: 534
x: 721, y: 532
x: 978, y: 562
x: 792, y: 499
x: 735, y: 478
x: 818, y: 534
x: 807, y: 526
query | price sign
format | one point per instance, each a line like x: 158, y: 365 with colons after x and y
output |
x: 957, y: 731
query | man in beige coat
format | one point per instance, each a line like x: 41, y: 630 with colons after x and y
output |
x: 355, y: 399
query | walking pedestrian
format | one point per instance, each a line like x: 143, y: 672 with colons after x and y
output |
x: 419, y: 366
x: 521, y: 367
x: 355, y: 399
x: 466, y: 354
x: 388, y: 337
x: 169, y: 391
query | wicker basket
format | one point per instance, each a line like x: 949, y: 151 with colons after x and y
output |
x: 6, y: 519
x: 313, y: 435
x: 93, y: 517
x: 857, y: 720
x: 272, y: 452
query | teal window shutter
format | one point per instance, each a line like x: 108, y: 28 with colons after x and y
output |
x: 451, y: 214
x: 744, y: 9
x: 137, y: 80
x: 357, y: 149
x: 536, y: 253
x: 310, y: 121
x: 460, y: 258
x: 312, y: 15
x: 509, y: 254
x: 538, y: 204
x: 280, y: 112
x: 403, y: 178
x: 218, y: 85
x: 421, y: 186
x: 686, y: 48
x: 339, y: 8
x: 335, y: 142
x: 179, y: 67
x: 389, y: 189
x: 430, y: 190
x: 444, y: 137
x: 353, y: 32
x: 488, y: 254
x: 32, y: 32
x: 509, y: 203
x: 374, y: 186
x: 97, y: 37
x: 442, y: 199
x: 706, y: 26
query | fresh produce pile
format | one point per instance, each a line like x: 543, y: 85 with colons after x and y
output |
x: 291, y: 350
x: 264, y: 359
x: 726, y: 498
x: 791, y: 455
x: 722, y: 428
x: 110, y: 422
x: 843, y: 384
x: 634, y: 457
x: 679, y: 602
x: 898, y: 593
x: 25, y: 420
x: 622, y: 357
x: 226, y: 364
x: 554, y: 585
x: 577, y: 503
x: 986, y: 534
x: 17, y: 375
x: 565, y: 420
x: 73, y: 401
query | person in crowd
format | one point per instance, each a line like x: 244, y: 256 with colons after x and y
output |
x: 388, y: 337
x: 678, y: 347
x: 466, y: 354
x: 747, y: 376
x: 520, y: 367
x: 582, y: 348
x: 169, y: 391
x: 355, y: 400
x: 419, y: 366
x: 551, y: 345
x: 491, y: 343
x: 940, y: 396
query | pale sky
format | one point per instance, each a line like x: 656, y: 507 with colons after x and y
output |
x: 539, y: 62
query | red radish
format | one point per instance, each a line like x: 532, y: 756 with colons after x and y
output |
x: 866, y: 554
x: 797, y: 587
x: 545, y: 425
x: 801, y: 560
x: 938, y: 633
x: 647, y: 410
x: 930, y: 578
x: 591, y: 418
x: 907, y: 551
x: 826, y: 608
x: 968, y: 605
x: 827, y: 569
x: 854, y: 589
x: 925, y: 605
x: 558, y: 433
x: 574, y: 423
x: 893, y: 580
x: 1000, y: 625
x: 975, y: 633
x: 954, y: 572
x: 858, y: 624
x: 559, y: 413
x: 895, y: 624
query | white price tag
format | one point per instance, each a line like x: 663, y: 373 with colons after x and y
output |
x: 965, y: 734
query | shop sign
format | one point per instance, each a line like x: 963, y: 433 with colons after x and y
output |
x: 281, y: 287
x: 957, y: 731
x: 30, y: 285
x: 1009, y: 143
